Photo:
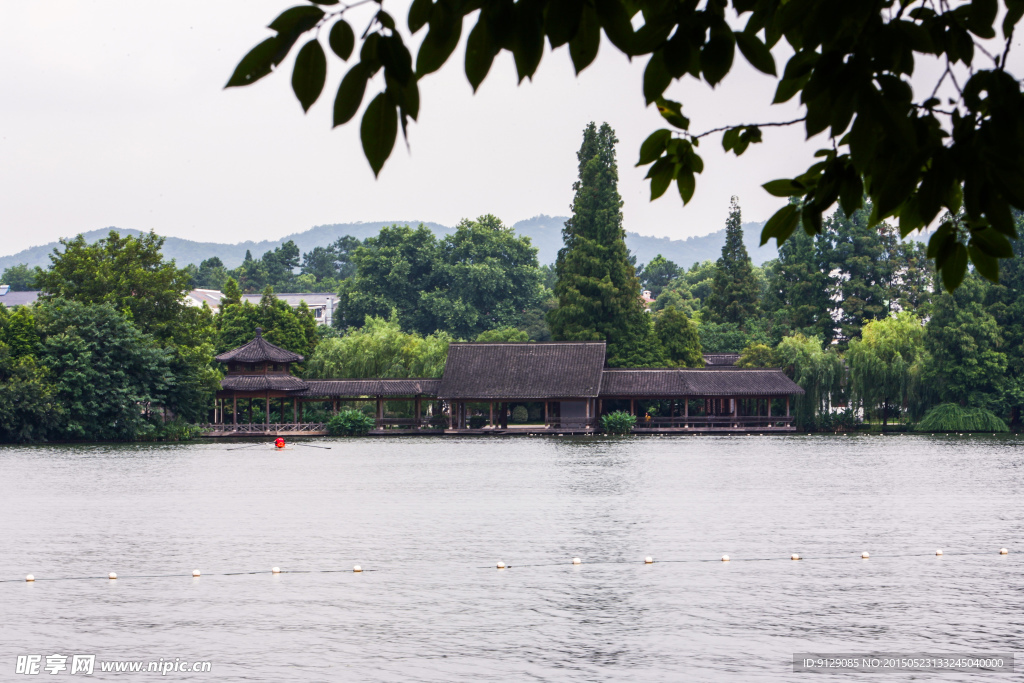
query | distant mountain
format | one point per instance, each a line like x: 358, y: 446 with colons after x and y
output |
x: 544, y: 231
x: 546, y: 234
x: 187, y: 251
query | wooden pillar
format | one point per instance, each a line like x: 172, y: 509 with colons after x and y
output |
x: 295, y: 409
x: 546, y: 412
x: 490, y: 407
x: 632, y: 406
x: 451, y: 407
x: 380, y: 411
x: 417, y: 406
x: 334, y: 407
x: 266, y: 416
x: 787, y: 406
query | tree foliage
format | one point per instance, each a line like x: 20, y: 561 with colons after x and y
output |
x: 850, y: 65
x: 818, y: 372
x: 598, y: 290
x: 886, y: 364
x: 679, y: 338
x: 734, y: 293
x: 379, y: 349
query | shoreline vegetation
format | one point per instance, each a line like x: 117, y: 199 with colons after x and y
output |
x: 856, y: 316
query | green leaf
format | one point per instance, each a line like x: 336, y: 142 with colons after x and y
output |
x: 583, y: 47
x: 296, y: 20
x: 419, y: 14
x: 653, y: 146
x: 755, y: 52
x: 661, y: 177
x: 562, y: 21
x: 673, y: 113
x: 656, y: 77
x: 309, y: 74
x: 341, y: 39
x: 1014, y: 12
x: 480, y: 53
x: 528, y: 40
x: 716, y: 57
x: 784, y: 187
x: 992, y: 243
x: 616, y: 23
x: 378, y: 131
x: 350, y: 93
x: 395, y: 58
x: 986, y: 264
x: 982, y: 16
x: 441, y: 40
x: 257, y: 63
x: 955, y: 268
x: 386, y: 20
x: 781, y: 225
x: 687, y: 183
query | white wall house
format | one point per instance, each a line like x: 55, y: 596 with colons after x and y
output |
x: 322, y: 304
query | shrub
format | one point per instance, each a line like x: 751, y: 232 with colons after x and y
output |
x: 520, y: 414
x: 439, y: 420
x: 949, y: 417
x: 618, y: 422
x: 350, y: 423
x: 477, y: 421
x: 536, y: 412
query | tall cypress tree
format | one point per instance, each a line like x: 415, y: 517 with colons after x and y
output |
x: 734, y: 294
x: 598, y: 290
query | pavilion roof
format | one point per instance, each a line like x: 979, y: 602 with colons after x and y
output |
x: 522, y: 370
x: 262, y: 383
x: 259, y: 350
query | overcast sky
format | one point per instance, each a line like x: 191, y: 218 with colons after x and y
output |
x: 114, y: 114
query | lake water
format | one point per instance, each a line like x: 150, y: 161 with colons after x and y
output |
x: 429, y: 518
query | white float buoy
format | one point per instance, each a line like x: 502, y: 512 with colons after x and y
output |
x: 501, y: 565
x: 725, y: 558
x: 648, y: 560
x: 275, y: 570
x: 357, y: 569
x: 195, y: 573
x: 1003, y: 551
x: 939, y: 551
x: 30, y: 578
x: 794, y: 556
x: 576, y: 560
x: 112, y: 575
x: 864, y: 555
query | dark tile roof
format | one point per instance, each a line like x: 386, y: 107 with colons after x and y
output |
x: 528, y: 370
x: 371, y: 387
x: 12, y: 299
x: 262, y: 383
x: 653, y: 382
x: 737, y: 382
x: 713, y: 381
x: 721, y: 358
x: 259, y: 350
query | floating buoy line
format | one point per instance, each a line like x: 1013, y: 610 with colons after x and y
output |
x: 575, y: 562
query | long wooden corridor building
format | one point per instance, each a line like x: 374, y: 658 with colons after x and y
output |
x: 562, y: 387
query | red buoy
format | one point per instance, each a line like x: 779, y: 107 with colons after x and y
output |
x: 279, y: 442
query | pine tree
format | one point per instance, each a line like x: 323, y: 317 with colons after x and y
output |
x: 734, y: 295
x: 802, y: 286
x: 598, y: 290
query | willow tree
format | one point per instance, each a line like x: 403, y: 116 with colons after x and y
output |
x: 886, y: 364
x: 818, y: 372
x: 379, y: 349
x: 598, y: 290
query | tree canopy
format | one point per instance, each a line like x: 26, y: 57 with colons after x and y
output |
x: 958, y: 145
